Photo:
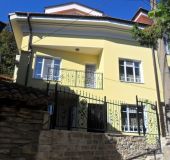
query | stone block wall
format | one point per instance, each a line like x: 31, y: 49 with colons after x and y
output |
x: 74, y: 145
x: 22, y: 138
x: 19, y: 132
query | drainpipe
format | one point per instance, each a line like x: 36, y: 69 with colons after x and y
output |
x: 30, y: 50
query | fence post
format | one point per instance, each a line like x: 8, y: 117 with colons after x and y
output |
x: 143, y: 122
x: 137, y: 105
x: 54, y: 115
x: 105, y: 113
x: 159, y: 131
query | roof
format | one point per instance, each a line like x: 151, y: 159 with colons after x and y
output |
x: 139, y: 11
x: 73, y: 3
x: 99, y: 18
x: 30, y: 96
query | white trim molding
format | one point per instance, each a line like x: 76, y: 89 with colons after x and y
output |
x: 81, y: 8
x: 140, y: 14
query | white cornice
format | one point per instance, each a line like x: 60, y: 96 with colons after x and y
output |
x: 72, y: 21
x: 75, y: 27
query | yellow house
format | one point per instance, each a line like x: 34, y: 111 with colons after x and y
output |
x: 83, y: 49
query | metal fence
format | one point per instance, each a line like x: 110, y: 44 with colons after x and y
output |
x: 80, y: 111
x: 76, y: 78
x: 75, y: 110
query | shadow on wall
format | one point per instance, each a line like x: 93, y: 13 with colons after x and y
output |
x: 79, y: 111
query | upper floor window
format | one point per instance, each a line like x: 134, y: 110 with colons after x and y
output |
x: 130, y: 71
x: 47, y: 68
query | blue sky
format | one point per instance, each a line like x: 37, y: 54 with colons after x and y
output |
x: 124, y: 9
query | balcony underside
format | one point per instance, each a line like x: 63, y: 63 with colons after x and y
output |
x: 71, y: 49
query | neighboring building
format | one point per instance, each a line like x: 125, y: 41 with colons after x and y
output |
x: 2, y: 25
x: 141, y: 16
x: 83, y: 49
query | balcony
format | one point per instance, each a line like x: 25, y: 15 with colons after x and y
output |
x: 76, y: 78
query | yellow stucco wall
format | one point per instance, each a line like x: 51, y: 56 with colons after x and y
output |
x: 168, y: 60
x: 18, y: 35
x: 107, y: 63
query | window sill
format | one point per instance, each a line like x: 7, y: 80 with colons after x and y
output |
x: 132, y: 82
x: 132, y: 133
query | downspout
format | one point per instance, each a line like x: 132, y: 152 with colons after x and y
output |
x: 11, y: 25
x: 30, y: 50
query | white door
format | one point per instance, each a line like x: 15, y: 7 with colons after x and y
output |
x: 90, y: 78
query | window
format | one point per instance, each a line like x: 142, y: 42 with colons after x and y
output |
x: 129, y: 118
x: 90, y: 77
x: 47, y: 68
x: 130, y: 71
x: 167, y: 45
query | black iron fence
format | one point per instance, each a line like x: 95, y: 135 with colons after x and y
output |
x: 76, y: 78
x: 79, y: 110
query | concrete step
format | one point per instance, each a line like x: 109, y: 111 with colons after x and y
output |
x: 166, y: 152
x: 155, y: 157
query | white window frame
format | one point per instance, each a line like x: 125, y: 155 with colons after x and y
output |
x: 167, y: 47
x: 42, y: 69
x: 128, y: 119
x: 166, y: 40
x: 134, y: 74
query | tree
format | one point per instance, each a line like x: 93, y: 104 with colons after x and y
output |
x: 150, y: 35
x: 8, y: 51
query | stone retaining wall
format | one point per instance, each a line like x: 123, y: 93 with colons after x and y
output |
x: 19, y: 132
x: 22, y: 138
x: 74, y: 145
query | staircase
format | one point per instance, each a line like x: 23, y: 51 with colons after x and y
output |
x: 165, y: 155
x: 155, y: 157
x: 166, y: 148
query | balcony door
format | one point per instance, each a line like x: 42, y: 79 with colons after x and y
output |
x: 90, y: 78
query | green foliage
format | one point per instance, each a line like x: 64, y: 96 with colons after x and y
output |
x: 8, y: 49
x: 147, y: 37
x: 150, y: 35
x: 161, y: 16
